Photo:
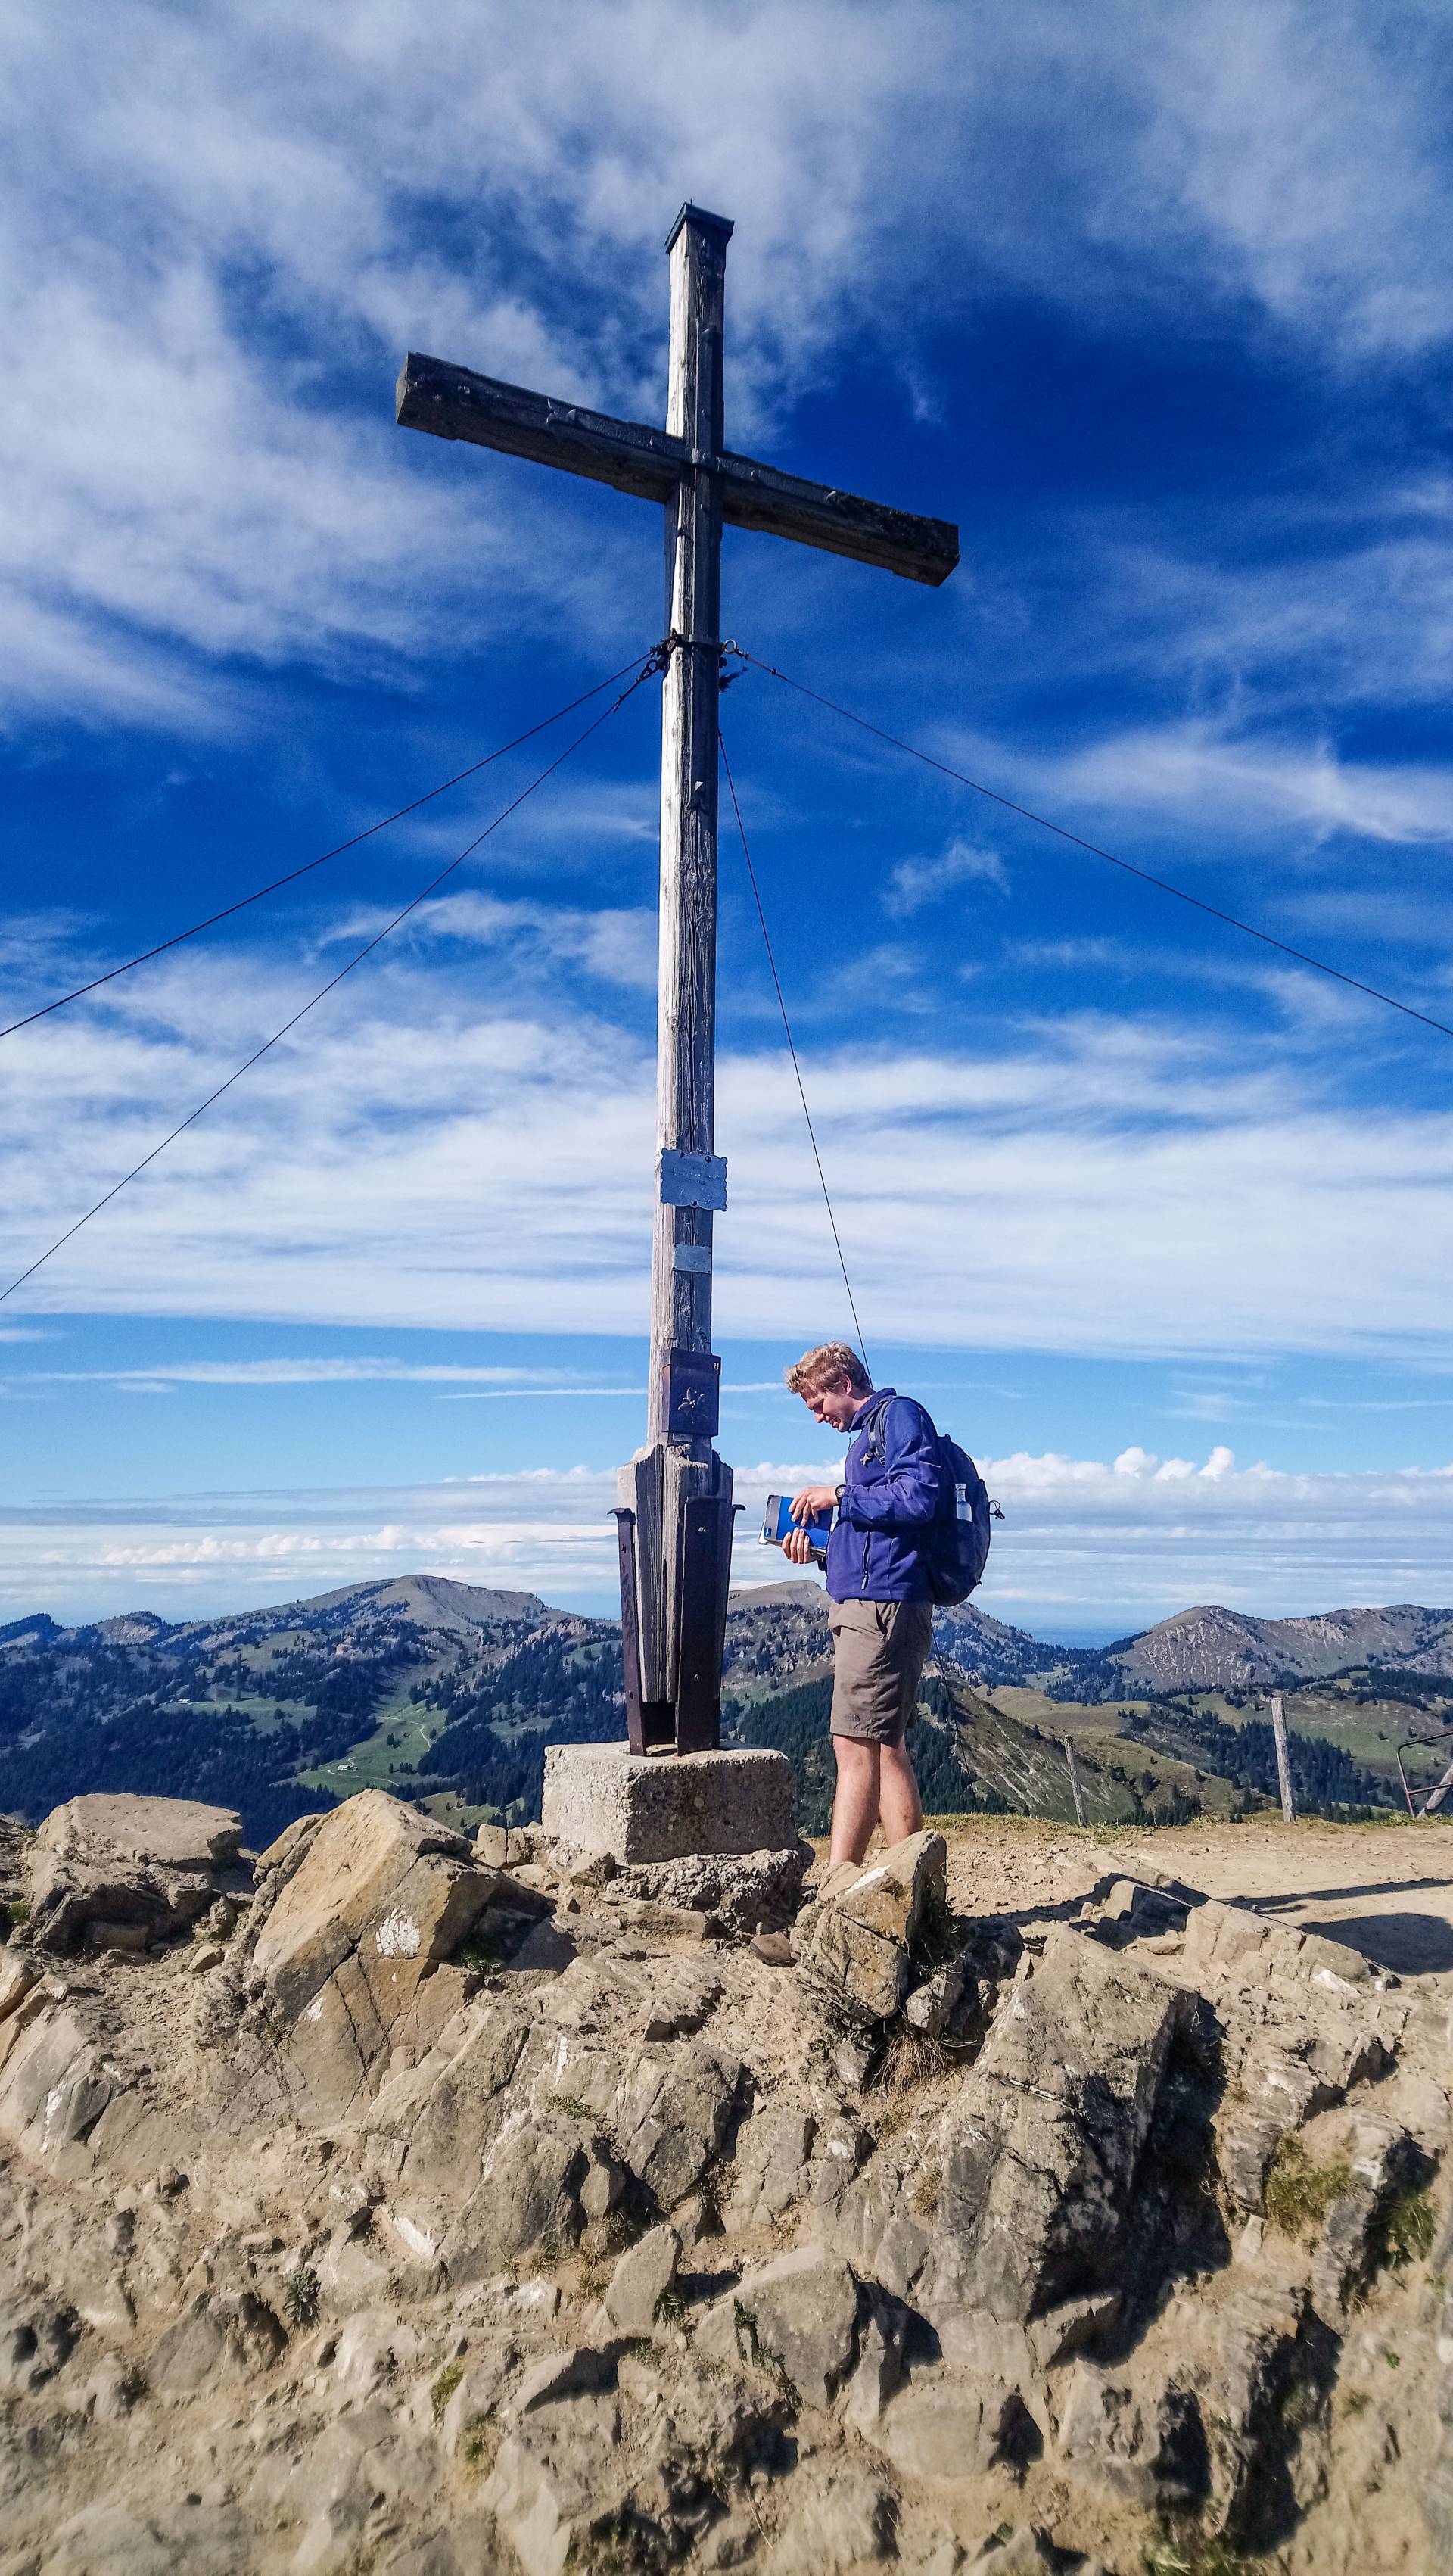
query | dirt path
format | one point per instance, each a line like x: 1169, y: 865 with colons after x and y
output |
x: 1386, y: 1889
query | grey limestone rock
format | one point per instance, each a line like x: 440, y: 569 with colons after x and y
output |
x: 1143, y: 2443
x: 670, y: 2117
x: 221, y: 2336
x: 1040, y: 2145
x: 946, y: 2424
x: 527, y: 2200
x: 641, y: 2279
x: 347, y: 1942
x: 36, y: 2340
x: 772, y: 2165
x: 853, y: 1941
x: 797, y: 2315
x: 746, y: 1891
x: 844, y: 2521
x: 171, y: 2540
x: 144, y: 1868
x: 555, y: 2475
x: 949, y: 2005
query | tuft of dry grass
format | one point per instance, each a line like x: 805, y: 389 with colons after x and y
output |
x: 1299, y: 2193
x: 909, y: 2061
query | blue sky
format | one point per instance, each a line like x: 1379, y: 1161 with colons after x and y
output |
x: 1156, y: 304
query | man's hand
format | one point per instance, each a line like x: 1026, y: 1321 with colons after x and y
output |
x: 797, y: 1546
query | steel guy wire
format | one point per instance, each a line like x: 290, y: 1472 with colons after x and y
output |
x: 651, y: 665
x: 791, y: 1048
x: 293, y: 874
x: 1162, y: 885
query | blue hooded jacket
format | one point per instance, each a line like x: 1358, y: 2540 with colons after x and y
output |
x: 889, y: 1504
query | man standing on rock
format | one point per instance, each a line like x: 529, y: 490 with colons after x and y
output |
x: 877, y: 1576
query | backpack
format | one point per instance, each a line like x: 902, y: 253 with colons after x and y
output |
x: 958, y: 1546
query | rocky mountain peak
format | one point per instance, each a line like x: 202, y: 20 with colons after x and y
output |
x: 421, y: 2207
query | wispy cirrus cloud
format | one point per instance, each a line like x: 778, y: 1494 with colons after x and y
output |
x: 214, y: 231
x: 916, y: 882
x: 618, y: 947
x: 1084, y: 1181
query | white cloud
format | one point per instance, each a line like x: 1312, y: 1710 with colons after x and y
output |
x: 434, y: 1157
x: 915, y: 882
x: 310, y: 1372
x: 214, y: 233
x: 618, y: 947
x: 1081, y: 1540
x: 1196, y: 770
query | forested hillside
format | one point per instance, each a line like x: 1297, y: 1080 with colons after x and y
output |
x: 449, y: 1693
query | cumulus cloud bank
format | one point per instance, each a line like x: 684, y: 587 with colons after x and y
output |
x: 1119, y: 1543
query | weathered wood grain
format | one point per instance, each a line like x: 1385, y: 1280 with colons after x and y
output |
x: 686, y: 982
x: 453, y: 402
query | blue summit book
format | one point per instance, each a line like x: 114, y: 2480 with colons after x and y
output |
x: 778, y: 1521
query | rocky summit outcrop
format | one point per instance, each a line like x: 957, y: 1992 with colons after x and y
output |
x: 121, y: 1871
x: 434, y: 2208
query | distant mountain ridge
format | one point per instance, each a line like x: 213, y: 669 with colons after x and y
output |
x: 448, y: 1692
x: 1211, y: 1648
x: 1205, y: 1648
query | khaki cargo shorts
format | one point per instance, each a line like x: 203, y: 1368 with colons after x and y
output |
x: 879, y: 1651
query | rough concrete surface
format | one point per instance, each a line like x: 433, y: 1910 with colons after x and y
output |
x: 601, y: 1798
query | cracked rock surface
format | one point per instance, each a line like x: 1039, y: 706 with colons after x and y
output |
x: 424, y: 2208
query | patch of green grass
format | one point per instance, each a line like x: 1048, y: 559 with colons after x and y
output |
x: 479, y: 2445
x: 444, y: 2387
x: 15, y: 1913
x: 1298, y: 2192
x: 751, y: 2347
x: 570, y: 2106
x: 619, y: 2228
x: 1356, y: 2401
x: 1405, y: 2231
x: 669, y: 2309
x: 1192, y: 2558
x: 300, y: 2295
x: 1394, y: 2360
x: 1297, y: 2406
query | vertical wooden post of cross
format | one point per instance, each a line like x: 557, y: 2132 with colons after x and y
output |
x: 1283, y: 1760
x: 680, y: 1491
x: 686, y: 1005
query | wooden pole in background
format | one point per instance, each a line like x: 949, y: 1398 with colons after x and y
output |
x: 1283, y: 1765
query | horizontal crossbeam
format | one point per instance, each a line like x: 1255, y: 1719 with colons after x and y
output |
x: 453, y: 402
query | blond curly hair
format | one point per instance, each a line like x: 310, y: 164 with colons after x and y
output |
x: 826, y: 1367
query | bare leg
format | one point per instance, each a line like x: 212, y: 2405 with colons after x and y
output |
x: 855, y: 1807
x: 899, y: 1803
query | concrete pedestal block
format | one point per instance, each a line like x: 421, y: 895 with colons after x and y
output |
x: 666, y: 1806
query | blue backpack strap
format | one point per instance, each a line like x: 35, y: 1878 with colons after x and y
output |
x: 876, y: 1433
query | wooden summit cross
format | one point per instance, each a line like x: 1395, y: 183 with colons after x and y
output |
x: 676, y: 1513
